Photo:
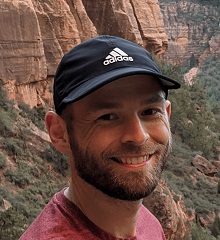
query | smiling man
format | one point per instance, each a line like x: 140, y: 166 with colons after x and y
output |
x: 112, y: 120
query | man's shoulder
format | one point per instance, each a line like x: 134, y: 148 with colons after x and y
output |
x: 51, y: 223
x: 59, y: 220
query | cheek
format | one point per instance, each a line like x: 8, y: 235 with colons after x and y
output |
x: 160, y: 130
x: 95, y: 139
x: 83, y: 132
x: 101, y: 140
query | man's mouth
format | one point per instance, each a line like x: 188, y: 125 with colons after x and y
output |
x: 133, y: 160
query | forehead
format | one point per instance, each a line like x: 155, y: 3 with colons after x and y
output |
x: 138, y: 88
x: 132, y: 85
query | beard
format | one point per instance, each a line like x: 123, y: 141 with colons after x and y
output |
x: 104, y: 173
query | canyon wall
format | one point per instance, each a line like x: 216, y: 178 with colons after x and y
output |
x: 35, y: 34
x: 191, y: 29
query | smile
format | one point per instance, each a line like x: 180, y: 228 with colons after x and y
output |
x: 133, y: 160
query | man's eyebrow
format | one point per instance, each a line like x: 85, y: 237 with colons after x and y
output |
x: 104, y: 105
x: 153, y: 98
x: 97, y: 106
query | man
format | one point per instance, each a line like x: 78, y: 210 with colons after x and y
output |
x: 112, y: 120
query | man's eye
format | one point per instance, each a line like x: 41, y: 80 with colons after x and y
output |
x: 149, y: 112
x: 107, y: 117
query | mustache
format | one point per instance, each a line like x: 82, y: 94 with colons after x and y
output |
x: 131, y: 149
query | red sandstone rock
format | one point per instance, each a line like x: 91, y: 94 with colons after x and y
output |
x: 34, y: 35
x: 215, y: 44
x: 5, y: 205
x: 204, y: 166
x: 187, y: 32
x: 216, y: 164
x: 170, y: 211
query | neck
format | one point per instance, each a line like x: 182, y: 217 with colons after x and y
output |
x: 114, y: 216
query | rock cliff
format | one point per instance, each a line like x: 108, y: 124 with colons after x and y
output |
x: 33, y: 37
x: 35, y: 34
x: 170, y: 209
x: 192, y: 29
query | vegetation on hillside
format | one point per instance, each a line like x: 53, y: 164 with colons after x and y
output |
x: 209, y: 79
x: 214, y: 3
x: 196, y: 129
x: 193, y: 119
x: 199, y: 14
x: 32, y: 171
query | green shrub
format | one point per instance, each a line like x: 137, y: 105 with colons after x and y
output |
x: 36, y: 115
x: 59, y: 161
x: 6, y: 124
x: 13, y: 146
x: 193, y: 61
x: 22, y: 175
x: 5, y: 103
x: 176, y: 198
x: 215, y: 230
x: 200, y: 233
x: 19, y: 177
x: 2, y: 160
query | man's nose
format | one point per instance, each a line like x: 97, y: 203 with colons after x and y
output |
x: 135, y: 131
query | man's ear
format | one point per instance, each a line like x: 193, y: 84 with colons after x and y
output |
x: 168, y: 108
x: 57, y: 131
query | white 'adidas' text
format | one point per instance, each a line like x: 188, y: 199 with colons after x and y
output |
x: 117, y: 55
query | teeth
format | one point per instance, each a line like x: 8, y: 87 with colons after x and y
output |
x: 134, y: 160
x: 129, y: 160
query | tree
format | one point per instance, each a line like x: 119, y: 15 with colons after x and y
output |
x: 216, y: 227
x: 192, y: 61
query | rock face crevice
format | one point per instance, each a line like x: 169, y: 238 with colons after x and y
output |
x: 22, y: 56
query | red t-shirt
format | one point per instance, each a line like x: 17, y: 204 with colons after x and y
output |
x: 62, y: 219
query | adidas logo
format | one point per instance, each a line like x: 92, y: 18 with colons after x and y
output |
x: 117, y: 55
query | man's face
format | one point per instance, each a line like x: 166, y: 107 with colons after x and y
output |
x: 120, y: 137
